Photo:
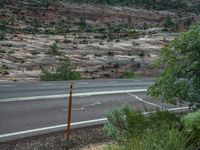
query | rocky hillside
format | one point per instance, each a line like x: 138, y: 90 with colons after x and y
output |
x: 170, y: 5
x: 95, y: 37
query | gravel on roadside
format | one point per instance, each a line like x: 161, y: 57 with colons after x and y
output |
x: 82, y: 138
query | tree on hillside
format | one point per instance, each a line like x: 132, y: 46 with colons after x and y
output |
x: 168, y: 23
x: 64, y: 71
x: 45, y: 3
x: 180, y: 80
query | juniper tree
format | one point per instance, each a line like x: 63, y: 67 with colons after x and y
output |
x: 64, y: 71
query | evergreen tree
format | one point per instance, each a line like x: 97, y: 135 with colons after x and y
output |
x: 64, y: 71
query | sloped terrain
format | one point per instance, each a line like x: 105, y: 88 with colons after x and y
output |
x: 95, y: 38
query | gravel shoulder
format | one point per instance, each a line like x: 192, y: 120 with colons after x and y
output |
x: 89, y: 138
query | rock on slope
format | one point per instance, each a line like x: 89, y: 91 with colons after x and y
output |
x: 33, y: 30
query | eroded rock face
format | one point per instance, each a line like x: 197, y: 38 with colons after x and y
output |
x: 93, y: 60
x: 93, y: 54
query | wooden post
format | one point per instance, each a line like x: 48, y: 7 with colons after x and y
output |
x: 116, y: 67
x: 69, y: 112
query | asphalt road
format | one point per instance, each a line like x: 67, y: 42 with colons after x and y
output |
x: 20, y: 89
x: 22, y: 116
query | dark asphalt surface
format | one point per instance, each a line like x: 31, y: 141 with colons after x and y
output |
x: 20, y: 89
x: 26, y: 115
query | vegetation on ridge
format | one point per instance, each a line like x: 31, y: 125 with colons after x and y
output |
x: 64, y: 71
x: 148, y: 4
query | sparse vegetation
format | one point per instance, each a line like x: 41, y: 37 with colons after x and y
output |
x: 64, y: 71
x: 45, y: 17
x: 148, y: 4
x: 45, y: 3
x: 62, y: 26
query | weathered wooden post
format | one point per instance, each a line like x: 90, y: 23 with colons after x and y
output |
x: 69, y: 115
x: 116, y: 65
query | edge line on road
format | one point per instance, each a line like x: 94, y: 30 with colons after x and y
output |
x: 149, y: 103
x: 51, y: 128
x: 103, y: 120
x: 66, y: 95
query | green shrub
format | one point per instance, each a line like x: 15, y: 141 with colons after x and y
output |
x: 114, y: 29
x: 99, y: 29
x: 2, y: 51
x: 88, y: 29
x: 117, y: 40
x: 104, y: 36
x: 3, y: 3
x: 50, y: 31
x: 141, y: 54
x: 1, y: 69
x: 161, y: 139
x: 131, y: 130
x: 54, y: 49
x: 128, y: 74
x: 191, y: 120
x: 67, y: 40
x: 168, y: 23
x: 188, y: 22
x: 130, y: 30
x: 64, y: 71
x: 45, y: 3
x: 35, y: 24
x: 62, y: 26
x: 2, y: 35
x: 35, y: 52
x: 82, y: 22
x: 191, y: 123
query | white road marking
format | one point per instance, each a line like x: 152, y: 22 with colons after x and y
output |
x: 83, y: 83
x: 5, y: 85
x: 84, y: 106
x: 51, y: 127
x: 140, y: 99
x: 179, y: 108
x: 65, y: 95
x: 62, y: 126
x: 46, y: 84
x: 112, y: 82
x: 169, y: 109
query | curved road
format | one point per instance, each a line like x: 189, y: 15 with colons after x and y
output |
x: 34, y: 108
